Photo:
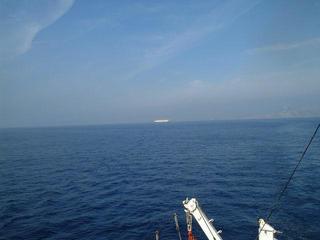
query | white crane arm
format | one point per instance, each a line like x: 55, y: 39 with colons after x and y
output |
x: 193, y: 207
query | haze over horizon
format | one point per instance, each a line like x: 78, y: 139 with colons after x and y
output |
x: 78, y: 62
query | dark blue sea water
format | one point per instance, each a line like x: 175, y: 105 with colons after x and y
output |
x: 126, y: 181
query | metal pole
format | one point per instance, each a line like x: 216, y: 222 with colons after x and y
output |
x: 177, y: 225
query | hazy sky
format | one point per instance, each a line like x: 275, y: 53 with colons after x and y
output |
x: 70, y: 62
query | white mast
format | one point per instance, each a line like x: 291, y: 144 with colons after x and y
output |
x: 266, y: 231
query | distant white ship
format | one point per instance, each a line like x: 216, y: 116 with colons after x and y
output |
x: 161, y: 121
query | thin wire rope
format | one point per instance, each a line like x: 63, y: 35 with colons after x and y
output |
x: 274, y: 206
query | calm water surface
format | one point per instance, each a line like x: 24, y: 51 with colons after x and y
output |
x: 126, y: 181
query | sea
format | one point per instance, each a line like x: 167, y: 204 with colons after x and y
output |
x: 125, y: 181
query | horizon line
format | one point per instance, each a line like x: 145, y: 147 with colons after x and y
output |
x: 171, y: 121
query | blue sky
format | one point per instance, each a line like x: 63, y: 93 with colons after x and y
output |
x: 70, y: 62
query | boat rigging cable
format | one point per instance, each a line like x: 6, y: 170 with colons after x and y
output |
x: 277, y: 202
